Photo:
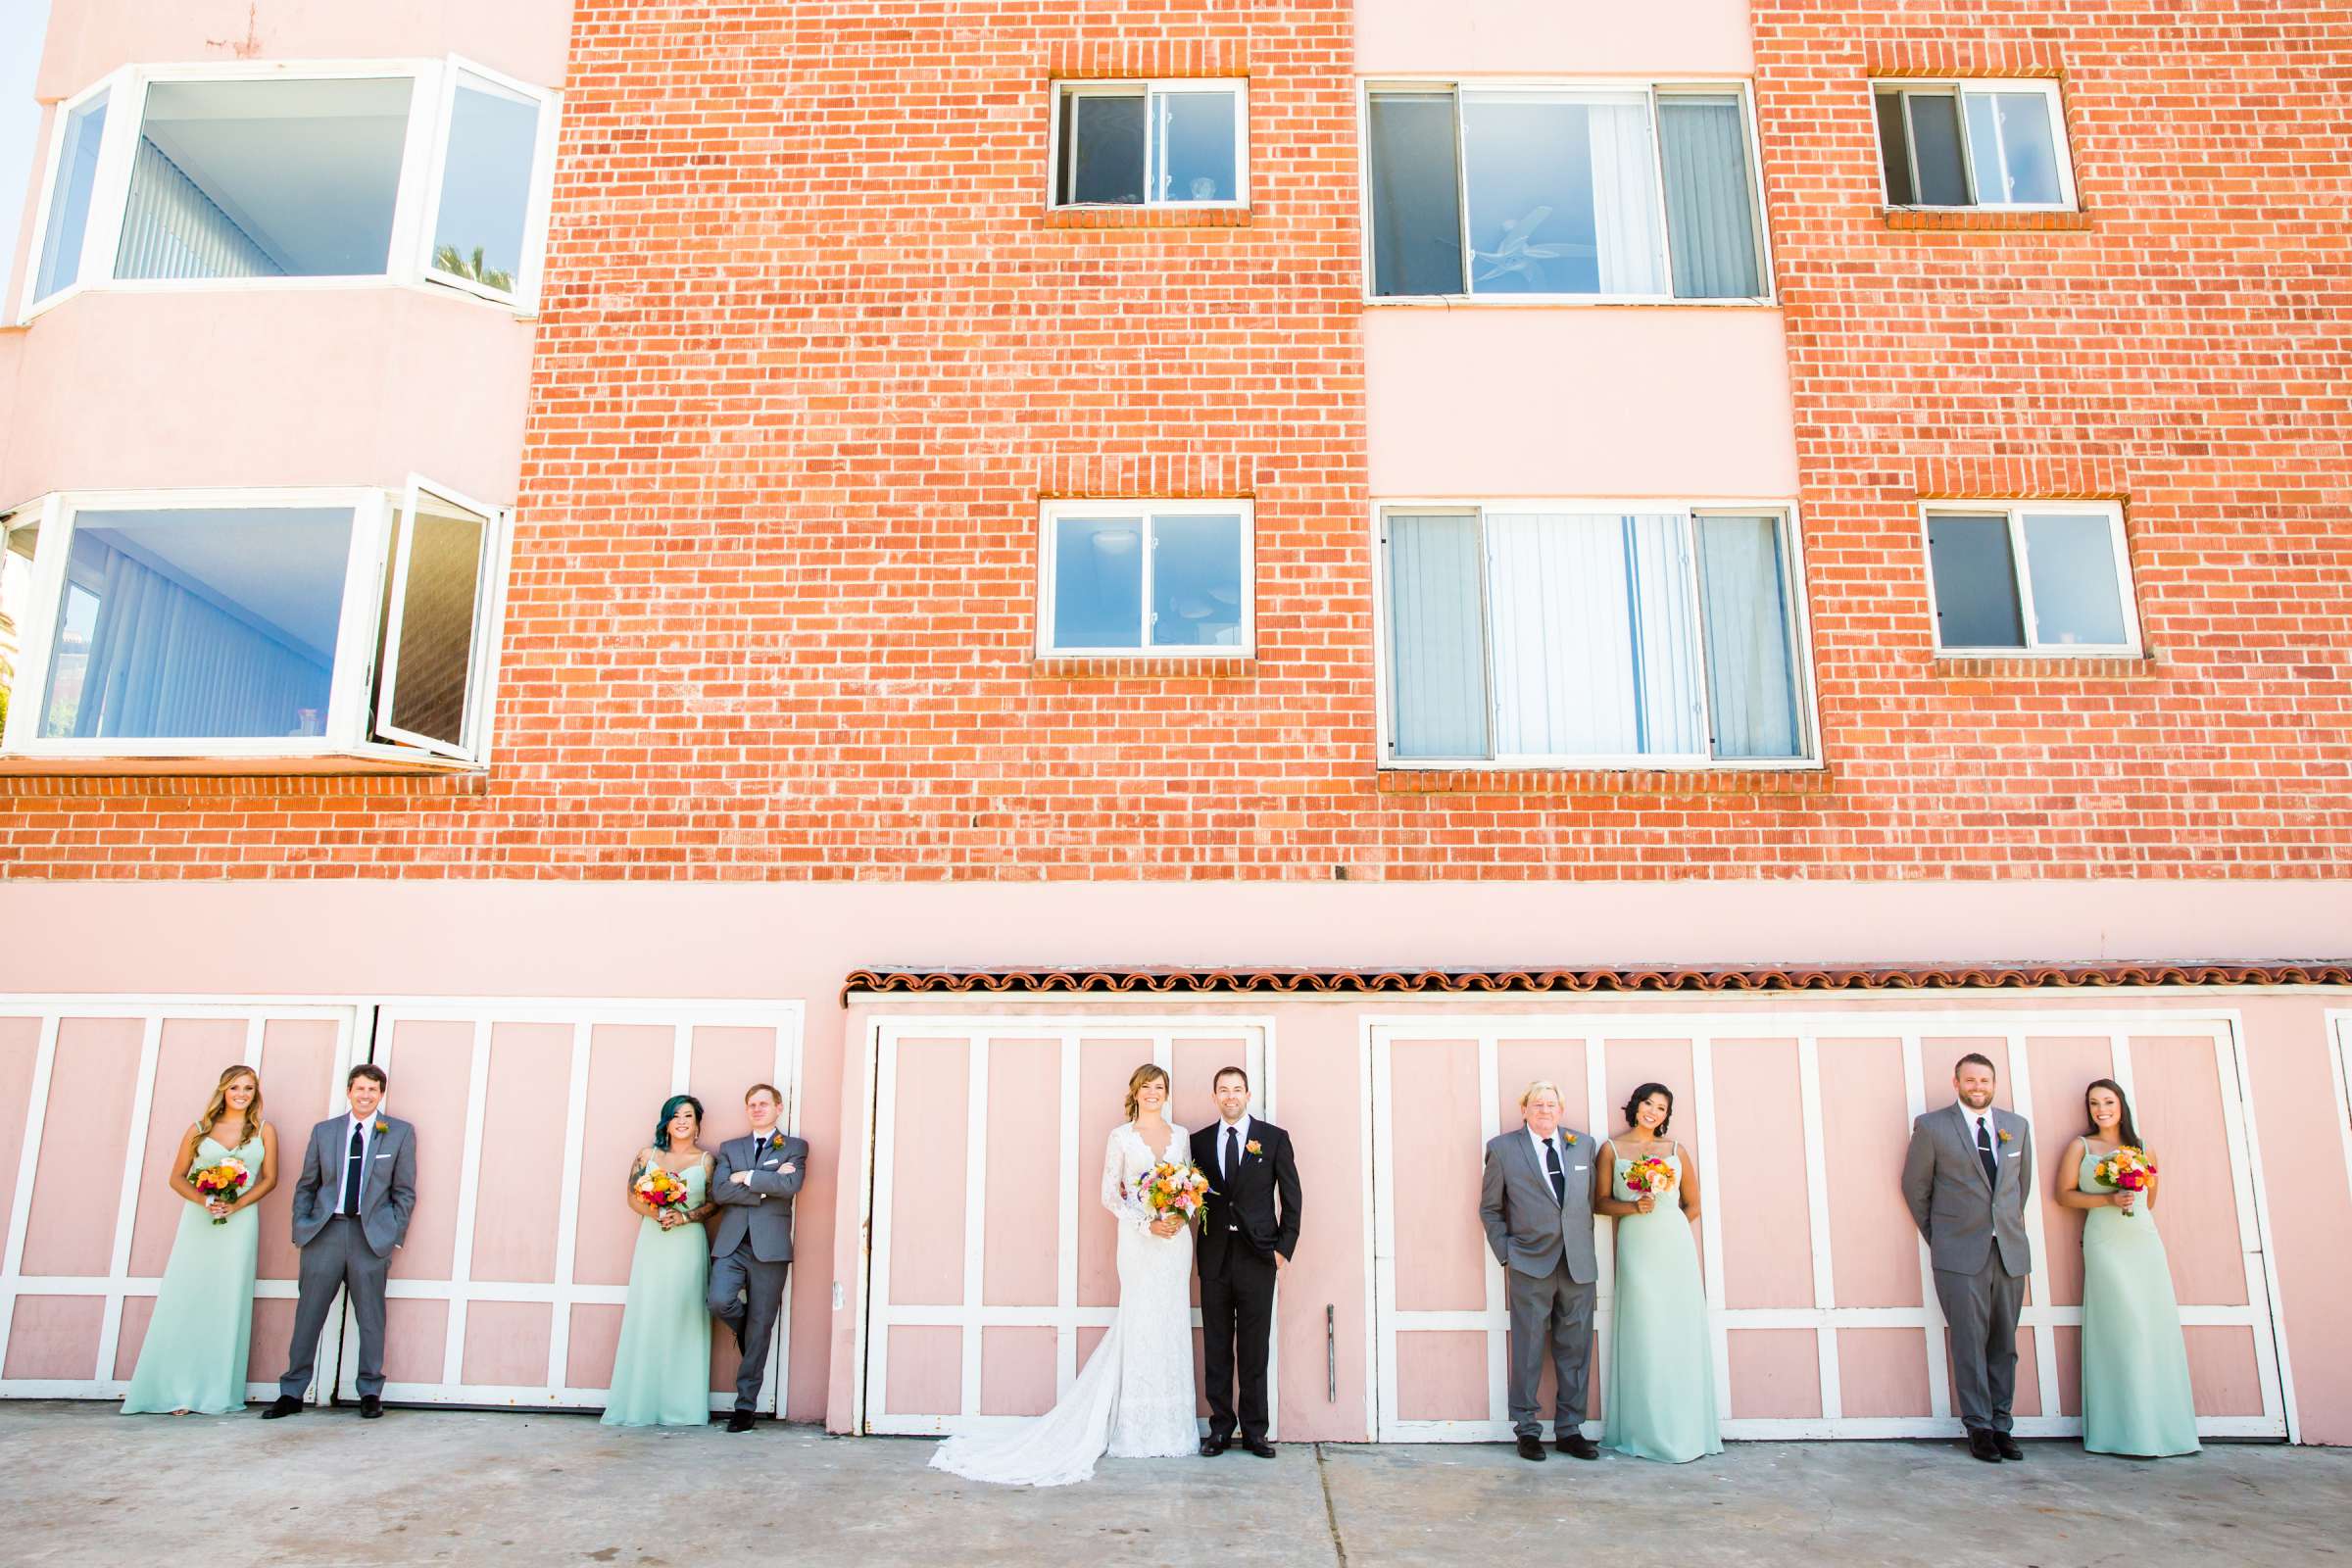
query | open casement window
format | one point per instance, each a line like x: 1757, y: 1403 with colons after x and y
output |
x: 2031, y: 577
x: 1180, y: 143
x: 269, y: 625
x: 246, y: 175
x: 1989, y: 143
x: 1573, y: 637
x: 1145, y: 578
x: 1570, y: 192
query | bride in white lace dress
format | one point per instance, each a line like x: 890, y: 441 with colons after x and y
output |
x: 1135, y: 1399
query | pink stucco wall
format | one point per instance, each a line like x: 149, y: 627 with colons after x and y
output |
x: 1540, y: 37
x: 1485, y: 400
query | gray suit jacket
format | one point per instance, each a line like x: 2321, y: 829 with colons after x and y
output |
x: 1526, y: 1229
x: 1943, y: 1181
x: 387, y: 1192
x: 761, y: 1209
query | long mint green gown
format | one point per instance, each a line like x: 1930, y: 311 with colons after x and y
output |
x: 661, y: 1373
x: 194, y: 1357
x: 1661, y: 1394
x: 2135, y: 1392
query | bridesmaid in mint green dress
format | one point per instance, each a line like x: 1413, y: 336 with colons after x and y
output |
x: 194, y: 1357
x: 661, y: 1373
x: 2136, y: 1392
x: 1660, y: 1402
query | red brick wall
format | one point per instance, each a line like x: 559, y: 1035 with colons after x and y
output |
x: 812, y: 352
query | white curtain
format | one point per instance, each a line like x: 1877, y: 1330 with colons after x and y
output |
x: 1752, y: 666
x: 1625, y: 197
x: 1710, y: 210
x: 1436, y: 646
x: 166, y: 661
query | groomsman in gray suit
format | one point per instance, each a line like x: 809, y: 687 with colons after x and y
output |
x: 1536, y: 1203
x: 752, y: 1181
x: 350, y: 1209
x: 1967, y: 1176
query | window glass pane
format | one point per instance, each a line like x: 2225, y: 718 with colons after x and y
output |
x: 1103, y: 147
x: 1416, y: 195
x: 1975, y: 584
x: 1935, y: 145
x: 265, y: 179
x: 1197, y: 581
x: 1710, y: 208
x: 1197, y: 147
x: 1751, y: 662
x: 199, y: 624
x: 1563, y: 194
x: 1894, y: 149
x: 2011, y: 148
x: 2069, y: 560
x: 1436, y: 645
x: 69, y: 198
x: 1098, y: 582
x: 434, y: 662
x: 486, y: 184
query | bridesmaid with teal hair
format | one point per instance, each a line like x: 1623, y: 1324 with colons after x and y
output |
x: 2136, y: 1392
x: 1660, y: 1402
x: 193, y: 1358
x: 662, y: 1372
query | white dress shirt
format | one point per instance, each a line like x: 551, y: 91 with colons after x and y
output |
x: 1556, y: 1142
x: 367, y: 1127
x: 1240, y: 1147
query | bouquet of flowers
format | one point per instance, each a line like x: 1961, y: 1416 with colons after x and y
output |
x: 220, y: 1182
x: 2128, y: 1170
x: 1650, y: 1177
x: 663, y: 1191
x: 1178, y: 1188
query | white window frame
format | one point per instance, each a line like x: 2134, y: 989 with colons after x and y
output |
x: 2014, y: 512
x: 1144, y: 510
x: 348, y: 727
x: 1954, y: 87
x: 408, y: 256
x: 1654, y: 90
x: 1792, y: 580
x: 1153, y: 88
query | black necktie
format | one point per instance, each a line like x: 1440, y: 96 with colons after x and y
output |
x: 1992, y: 1168
x: 351, y: 1170
x: 1233, y: 1153
x: 1552, y: 1166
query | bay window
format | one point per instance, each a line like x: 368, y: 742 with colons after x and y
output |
x: 258, y: 623
x: 1533, y: 635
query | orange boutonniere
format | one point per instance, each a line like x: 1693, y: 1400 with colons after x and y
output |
x: 1251, y: 1147
x: 2005, y: 1134
x: 1570, y: 1138
x: 384, y: 1126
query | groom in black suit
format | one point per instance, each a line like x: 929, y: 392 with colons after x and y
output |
x: 1246, y: 1239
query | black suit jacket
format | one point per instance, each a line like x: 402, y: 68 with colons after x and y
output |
x: 1249, y: 1196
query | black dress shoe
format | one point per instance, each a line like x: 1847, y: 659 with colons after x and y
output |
x: 1579, y: 1447
x: 371, y: 1407
x: 1260, y: 1447
x: 283, y: 1404
x: 1532, y: 1448
x: 1982, y: 1446
x: 2008, y: 1446
x: 740, y: 1421
x: 1212, y: 1445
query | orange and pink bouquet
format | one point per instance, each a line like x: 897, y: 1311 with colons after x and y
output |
x: 1650, y: 1177
x: 220, y: 1182
x: 1178, y: 1188
x: 2128, y: 1170
x: 663, y: 1191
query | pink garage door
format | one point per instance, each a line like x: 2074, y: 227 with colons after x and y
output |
x: 1820, y: 1296
x: 509, y: 1289
x: 992, y: 1268
x: 97, y: 1097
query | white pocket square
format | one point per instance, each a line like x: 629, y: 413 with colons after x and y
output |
x: 1576, y: 1167
x: 385, y: 1155
x: 771, y: 1165
x: 2013, y: 1154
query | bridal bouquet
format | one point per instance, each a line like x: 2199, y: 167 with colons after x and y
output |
x: 1178, y: 1188
x: 220, y: 1182
x: 2128, y: 1170
x: 664, y: 1192
x: 1650, y: 1177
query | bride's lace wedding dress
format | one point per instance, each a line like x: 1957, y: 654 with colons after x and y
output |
x: 1135, y: 1399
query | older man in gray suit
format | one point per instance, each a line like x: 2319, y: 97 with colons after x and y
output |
x: 1967, y: 1176
x: 351, y: 1210
x: 1536, y: 1203
x: 752, y: 1181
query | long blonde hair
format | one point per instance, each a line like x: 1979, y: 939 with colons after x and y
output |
x: 1140, y: 1077
x: 217, y: 1106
